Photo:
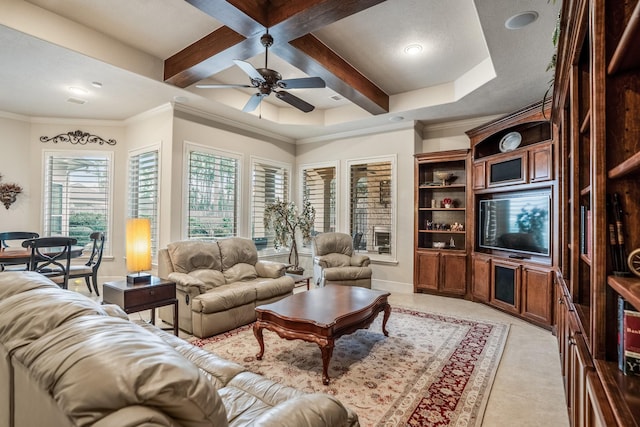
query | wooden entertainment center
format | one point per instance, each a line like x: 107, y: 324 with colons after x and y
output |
x: 519, y: 282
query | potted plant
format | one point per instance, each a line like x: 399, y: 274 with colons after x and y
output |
x: 286, y: 221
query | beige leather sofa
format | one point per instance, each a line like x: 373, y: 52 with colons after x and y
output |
x: 336, y: 263
x: 219, y: 284
x: 66, y: 360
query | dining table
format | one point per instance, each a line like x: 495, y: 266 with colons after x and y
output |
x: 19, y: 255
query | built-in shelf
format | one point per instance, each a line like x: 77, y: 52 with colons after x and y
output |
x: 586, y: 259
x: 584, y: 127
x: 442, y: 209
x: 440, y: 186
x: 442, y: 231
x: 627, y: 287
x: 585, y: 191
x: 627, y: 54
x: 622, y: 389
x: 628, y: 167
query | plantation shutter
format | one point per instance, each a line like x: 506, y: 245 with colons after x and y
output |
x: 370, y: 205
x: 143, y: 192
x: 269, y: 183
x: 213, y: 196
x: 319, y: 188
x: 77, y: 196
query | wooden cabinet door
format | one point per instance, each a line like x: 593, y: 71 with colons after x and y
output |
x: 505, y: 285
x: 453, y: 273
x: 598, y: 411
x: 428, y: 270
x: 480, y: 284
x: 540, y: 165
x: 536, y: 295
x: 580, y: 365
x: 560, y: 320
x: 479, y: 176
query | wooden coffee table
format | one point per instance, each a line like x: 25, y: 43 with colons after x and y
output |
x: 322, y: 316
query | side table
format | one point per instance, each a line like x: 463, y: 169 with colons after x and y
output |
x: 300, y: 278
x: 133, y: 298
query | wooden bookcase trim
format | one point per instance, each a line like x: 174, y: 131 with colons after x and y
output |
x: 628, y: 167
x: 627, y: 54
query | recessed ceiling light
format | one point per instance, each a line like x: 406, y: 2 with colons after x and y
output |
x: 521, y: 20
x: 78, y: 90
x: 396, y: 118
x: 96, y: 84
x: 76, y: 101
x: 413, y: 49
x: 181, y: 99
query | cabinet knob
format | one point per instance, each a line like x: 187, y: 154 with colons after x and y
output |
x: 560, y: 301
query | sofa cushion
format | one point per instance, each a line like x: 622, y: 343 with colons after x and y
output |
x: 21, y: 314
x: 224, y: 298
x: 336, y: 260
x: 189, y: 255
x: 270, y: 288
x: 211, y: 278
x: 240, y: 272
x: 132, y: 367
x: 347, y: 273
x: 237, y: 250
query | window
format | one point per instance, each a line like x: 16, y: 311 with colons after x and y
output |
x: 213, y: 189
x: 77, y: 195
x: 269, y: 182
x: 319, y: 187
x: 371, y: 205
x: 143, y: 191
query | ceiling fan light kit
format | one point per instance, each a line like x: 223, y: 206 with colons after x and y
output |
x: 268, y: 81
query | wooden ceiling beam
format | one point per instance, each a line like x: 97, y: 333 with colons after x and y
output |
x: 290, y: 22
x: 316, y: 59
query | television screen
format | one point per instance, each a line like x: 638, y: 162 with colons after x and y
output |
x: 516, y: 223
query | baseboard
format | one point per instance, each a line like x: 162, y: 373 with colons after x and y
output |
x: 395, y: 287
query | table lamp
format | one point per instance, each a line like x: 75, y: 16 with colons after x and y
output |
x: 138, y: 250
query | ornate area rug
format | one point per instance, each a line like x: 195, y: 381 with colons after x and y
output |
x: 432, y: 369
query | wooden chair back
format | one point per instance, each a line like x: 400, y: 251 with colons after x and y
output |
x: 51, y: 257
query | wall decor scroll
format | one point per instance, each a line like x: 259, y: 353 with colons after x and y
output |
x: 78, y: 137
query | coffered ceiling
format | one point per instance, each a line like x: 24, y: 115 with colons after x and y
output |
x: 146, y: 53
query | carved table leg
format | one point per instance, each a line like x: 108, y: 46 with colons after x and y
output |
x: 387, y: 313
x: 257, y: 331
x: 327, y: 352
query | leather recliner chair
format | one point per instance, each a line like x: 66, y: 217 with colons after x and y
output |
x: 334, y: 261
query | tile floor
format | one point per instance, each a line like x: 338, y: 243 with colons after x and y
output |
x: 527, y: 390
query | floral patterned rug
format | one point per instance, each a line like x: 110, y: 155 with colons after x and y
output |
x: 432, y: 369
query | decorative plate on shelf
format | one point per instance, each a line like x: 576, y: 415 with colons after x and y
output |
x: 510, y: 141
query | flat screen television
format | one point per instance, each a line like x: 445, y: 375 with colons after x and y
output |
x: 516, y: 223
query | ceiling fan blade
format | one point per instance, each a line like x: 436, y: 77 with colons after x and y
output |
x: 253, y: 102
x: 295, y: 101
x: 219, y: 86
x: 303, y: 83
x: 249, y: 69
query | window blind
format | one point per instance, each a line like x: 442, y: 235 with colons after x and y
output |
x: 212, y: 210
x: 77, y: 196
x: 319, y: 188
x: 269, y: 183
x: 370, y: 206
x: 143, y: 192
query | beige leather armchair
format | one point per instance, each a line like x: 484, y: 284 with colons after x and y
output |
x: 334, y: 261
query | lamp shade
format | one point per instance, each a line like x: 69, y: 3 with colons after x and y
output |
x: 138, y: 244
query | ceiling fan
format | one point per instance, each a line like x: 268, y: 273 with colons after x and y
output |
x: 268, y: 81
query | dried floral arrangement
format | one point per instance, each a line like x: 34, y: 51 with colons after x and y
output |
x: 8, y: 193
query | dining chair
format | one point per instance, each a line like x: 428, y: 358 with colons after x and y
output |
x: 51, y: 257
x: 7, y: 236
x: 89, y: 270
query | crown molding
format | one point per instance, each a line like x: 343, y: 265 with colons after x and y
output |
x: 392, y: 127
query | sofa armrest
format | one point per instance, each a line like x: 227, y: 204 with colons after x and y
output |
x: 270, y: 269
x: 191, y: 285
x: 360, y: 260
x: 322, y: 261
x: 313, y: 410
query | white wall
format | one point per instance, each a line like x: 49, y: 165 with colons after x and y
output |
x: 397, y: 276
x: 14, y: 168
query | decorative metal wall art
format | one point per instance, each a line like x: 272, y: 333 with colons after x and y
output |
x: 8, y: 193
x: 78, y: 137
